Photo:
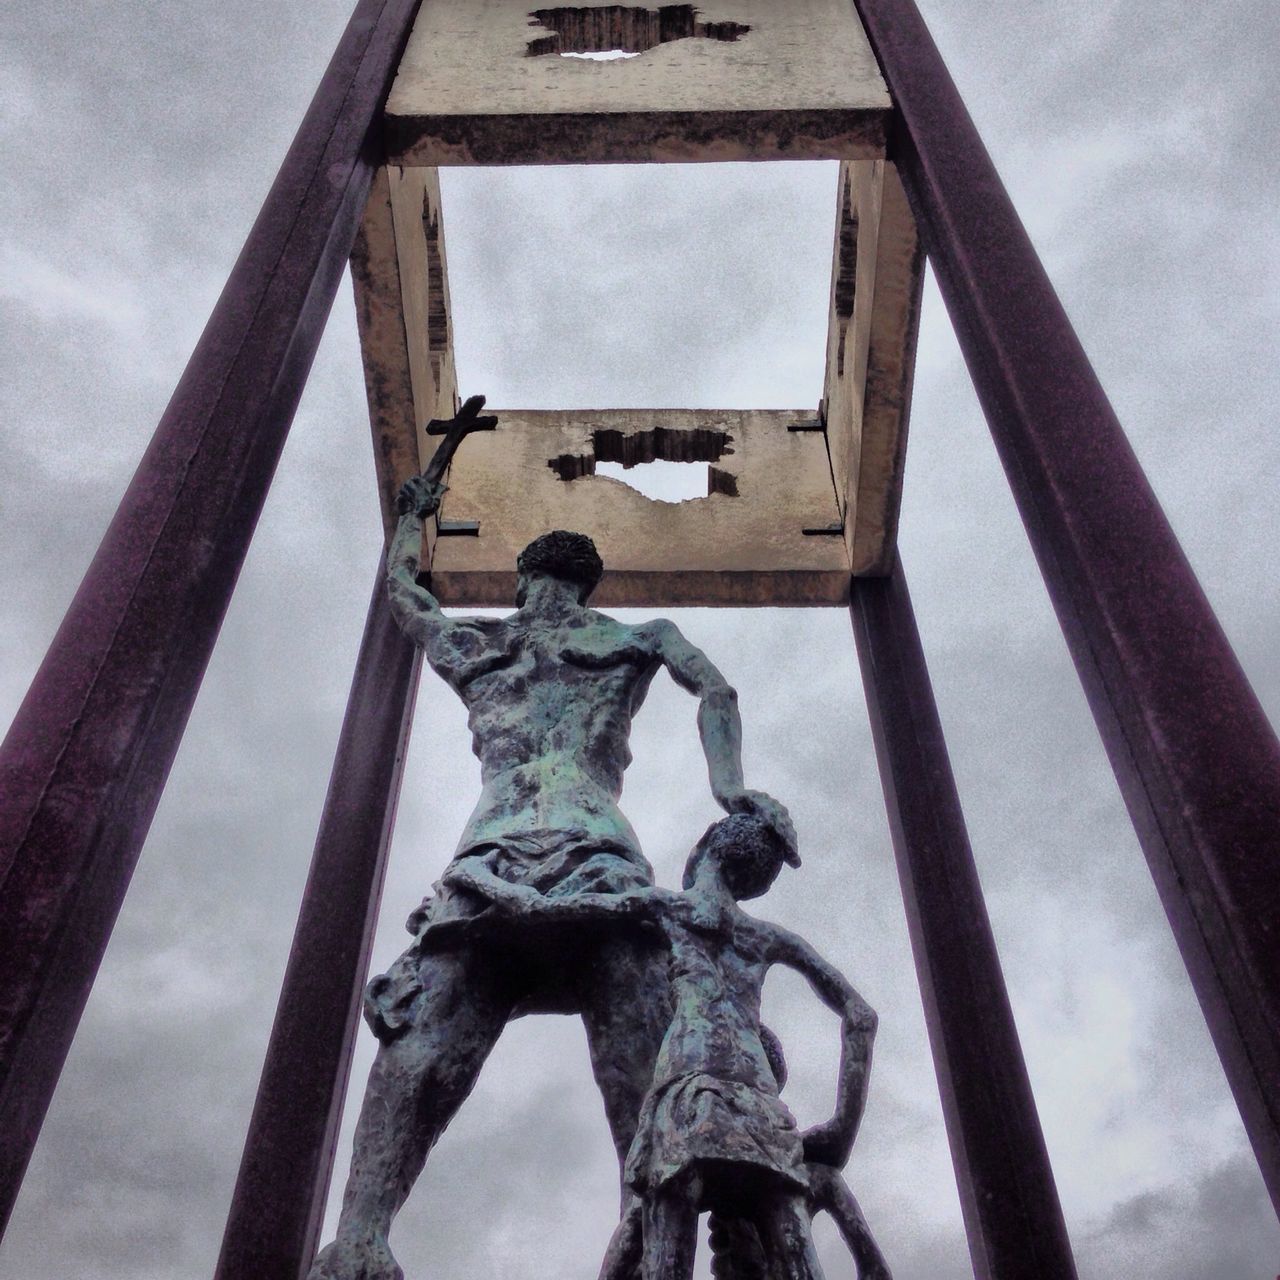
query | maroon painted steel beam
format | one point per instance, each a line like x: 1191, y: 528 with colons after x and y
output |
x: 1197, y: 762
x: 1007, y: 1193
x: 278, y: 1206
x: 84, y: 763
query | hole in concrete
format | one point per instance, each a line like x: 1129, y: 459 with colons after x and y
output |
x: 660, y: 481
x: 604, y: 55
x: 614, y: 31
x: 721, y: 482
x: 657, y: 462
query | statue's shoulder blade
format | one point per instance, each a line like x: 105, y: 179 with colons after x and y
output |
x: 606, y: 624
x: 471, y: 646
x: 604, y: 641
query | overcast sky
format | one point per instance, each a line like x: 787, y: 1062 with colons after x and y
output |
x: 1138, y: 143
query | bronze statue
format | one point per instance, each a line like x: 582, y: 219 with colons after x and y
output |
x: 713, y: 1132
x: 550, y: 692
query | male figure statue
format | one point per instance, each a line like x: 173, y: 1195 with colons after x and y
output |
x: 550, y: 693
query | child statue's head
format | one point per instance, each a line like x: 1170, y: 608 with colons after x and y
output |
x: 747, y: 852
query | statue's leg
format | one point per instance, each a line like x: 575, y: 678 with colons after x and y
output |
x: 622, y: 1259
x: 788, y: 1239
x: 835, y: 1197
x: 736, y: 1250
x: 626, y: 1009
x: 418, y: 1081
x: 671, y: 1230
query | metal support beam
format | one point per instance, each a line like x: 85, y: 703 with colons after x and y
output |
x: 1007, y: 1193
x: 278, y: 1205
x: 1196, y: 760
x: 83, y: 766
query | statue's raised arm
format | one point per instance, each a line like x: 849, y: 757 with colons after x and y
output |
x: 415, y: 608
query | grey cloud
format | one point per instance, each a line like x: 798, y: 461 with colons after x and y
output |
x: 1203, y: 1232
x: 1130, y: 139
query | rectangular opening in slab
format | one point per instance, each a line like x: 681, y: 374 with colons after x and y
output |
x: 629, y: 285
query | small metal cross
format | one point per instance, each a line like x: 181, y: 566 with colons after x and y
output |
x: 455, y: 430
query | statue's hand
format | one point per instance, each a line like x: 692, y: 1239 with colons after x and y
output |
x: 499, y: 895
x: 767, y: 809
x: 517, y: 899
x: 356, y: 1257
x: 420, y: 496
x: 826, y: 1144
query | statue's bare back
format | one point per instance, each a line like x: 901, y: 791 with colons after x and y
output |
x: 550, y: 709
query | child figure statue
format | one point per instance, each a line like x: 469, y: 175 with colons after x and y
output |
x: 713, y: 1132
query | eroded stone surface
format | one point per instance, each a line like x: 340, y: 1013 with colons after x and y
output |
x: 745, y: 543
x: 753, y: 79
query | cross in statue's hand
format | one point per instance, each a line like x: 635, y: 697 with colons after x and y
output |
x: 454, y: 430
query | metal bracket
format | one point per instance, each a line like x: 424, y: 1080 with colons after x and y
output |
x: 836, y: 529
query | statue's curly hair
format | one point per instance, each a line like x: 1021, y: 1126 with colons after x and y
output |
x: 572, y: 557
x: 749, y: 851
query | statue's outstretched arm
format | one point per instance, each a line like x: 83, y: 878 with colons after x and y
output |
x: 830, y: 1143
x: 415, y: 608
x: 720, y: 727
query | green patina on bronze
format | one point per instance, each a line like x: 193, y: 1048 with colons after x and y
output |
x: 713, y: 1132
x: 549, y: 906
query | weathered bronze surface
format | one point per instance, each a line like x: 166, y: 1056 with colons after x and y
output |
x: 713, y: 1133
x: 550, y: 691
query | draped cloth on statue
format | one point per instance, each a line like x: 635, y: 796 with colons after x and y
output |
x: 557, y: 863
x: 698, y: 1118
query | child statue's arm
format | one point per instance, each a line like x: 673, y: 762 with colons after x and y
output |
x: 523, y: 900
x: 474, y: 876
x: 830, y: 1143
x: 510, y: 904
